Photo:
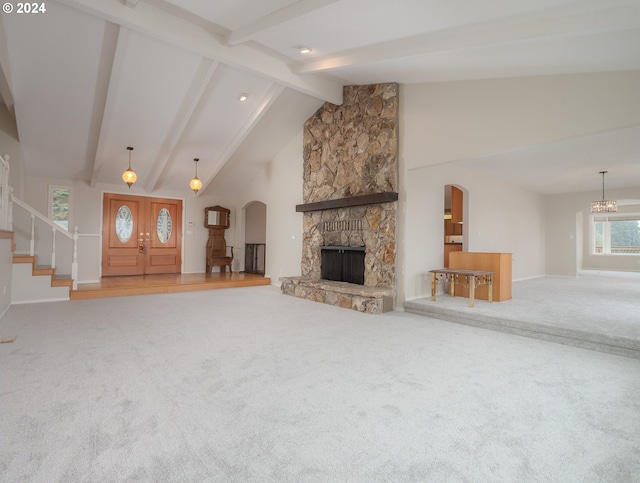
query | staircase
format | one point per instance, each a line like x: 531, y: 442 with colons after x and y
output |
x: 33, y: 283
x: 30, y: 282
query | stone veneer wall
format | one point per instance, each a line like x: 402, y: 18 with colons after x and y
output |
x: 352, y: 150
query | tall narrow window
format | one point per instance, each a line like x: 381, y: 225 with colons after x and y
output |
x: 60, y: 205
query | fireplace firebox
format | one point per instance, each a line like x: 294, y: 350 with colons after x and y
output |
x: 343, y: 264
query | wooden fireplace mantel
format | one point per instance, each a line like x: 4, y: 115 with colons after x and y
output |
x: 346, y: 202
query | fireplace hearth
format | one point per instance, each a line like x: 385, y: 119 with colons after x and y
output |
x: 343, y: 264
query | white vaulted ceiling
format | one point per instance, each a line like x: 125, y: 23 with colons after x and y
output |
x: 90, y: 77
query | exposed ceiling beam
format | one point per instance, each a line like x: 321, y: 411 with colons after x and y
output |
x: 5, y: 91
x: 163, y: 26
x: 286, y: 14
x: 544, y: 24
x: 198, y: 86
x: 270, y: 97
x: 5, y: 72
x: 116, y: 68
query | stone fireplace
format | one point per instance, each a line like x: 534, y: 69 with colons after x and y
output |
x: 350, y: 197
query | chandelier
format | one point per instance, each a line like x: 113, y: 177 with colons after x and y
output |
x: 604, y: 206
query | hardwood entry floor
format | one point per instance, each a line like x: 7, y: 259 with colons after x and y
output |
x: 166, y: 283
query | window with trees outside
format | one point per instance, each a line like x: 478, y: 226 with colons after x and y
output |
x: 616, y: 234
x: 60, y: 205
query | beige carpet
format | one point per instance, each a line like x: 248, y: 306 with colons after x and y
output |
x: 248, y: 385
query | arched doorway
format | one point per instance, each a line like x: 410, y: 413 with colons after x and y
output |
x: 453, y: 220
x: 255, y: 237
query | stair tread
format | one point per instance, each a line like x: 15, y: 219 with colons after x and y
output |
x: 57, y: 280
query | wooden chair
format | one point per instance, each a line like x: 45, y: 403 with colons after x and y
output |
x: 217, y: 251
x: 216, y: 219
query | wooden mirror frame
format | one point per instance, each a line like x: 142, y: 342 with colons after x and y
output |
x: 222, y: 214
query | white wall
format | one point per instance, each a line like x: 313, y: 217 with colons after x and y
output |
x: 499, y: 218
x: 567, y: 222
x: 10, y: 145
x: 279, y: 186
x: 456, y: 120
x: 441, y: 123
x: 87, y: 215
x: 5, y: 274
x: 255, y: 223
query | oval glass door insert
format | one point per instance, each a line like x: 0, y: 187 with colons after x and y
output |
x: 124, y: 224
x: 163, y: 226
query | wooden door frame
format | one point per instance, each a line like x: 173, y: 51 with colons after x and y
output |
x: 115, y: 192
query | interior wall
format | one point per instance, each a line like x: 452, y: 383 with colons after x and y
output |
x: 255, y: 223
x: 447, y: 121
x: 9, y: 144
x: 6, y: 271
x: 279, y: 187
x: 499, y: 218
x: 566, y: 239
x: 441, y: 123
x: 87, y: 216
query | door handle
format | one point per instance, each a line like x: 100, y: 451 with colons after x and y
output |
x: 141, y: 248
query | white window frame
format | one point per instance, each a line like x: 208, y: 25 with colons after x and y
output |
x: 52, y: 188
x: 606, y: 231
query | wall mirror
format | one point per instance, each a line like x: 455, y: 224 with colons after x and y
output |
x: 216, y: 217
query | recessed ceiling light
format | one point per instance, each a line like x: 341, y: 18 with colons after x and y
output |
x: 243, y: 97
x: 303, y: 49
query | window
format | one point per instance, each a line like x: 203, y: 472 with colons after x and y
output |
x: 616, y: 234
x: 60, y: 205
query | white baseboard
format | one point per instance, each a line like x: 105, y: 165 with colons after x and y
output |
x: 530, y: 278
x: 22, y: 302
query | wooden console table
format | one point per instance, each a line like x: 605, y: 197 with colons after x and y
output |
x: 468, y: 278
x: 498, y: 263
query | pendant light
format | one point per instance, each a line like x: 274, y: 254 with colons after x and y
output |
x: 604, y: 206
x: 129, y: 176
x: 195, y: 183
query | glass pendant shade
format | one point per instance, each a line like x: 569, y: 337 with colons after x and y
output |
x: 195, y: 183
x: 129, y: 176
x: 604, y: 206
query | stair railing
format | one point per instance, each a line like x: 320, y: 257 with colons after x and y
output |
x: 55, y: 228
x: 8, y: 199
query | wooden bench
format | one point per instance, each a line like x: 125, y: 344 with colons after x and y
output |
x: 469, y: 278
